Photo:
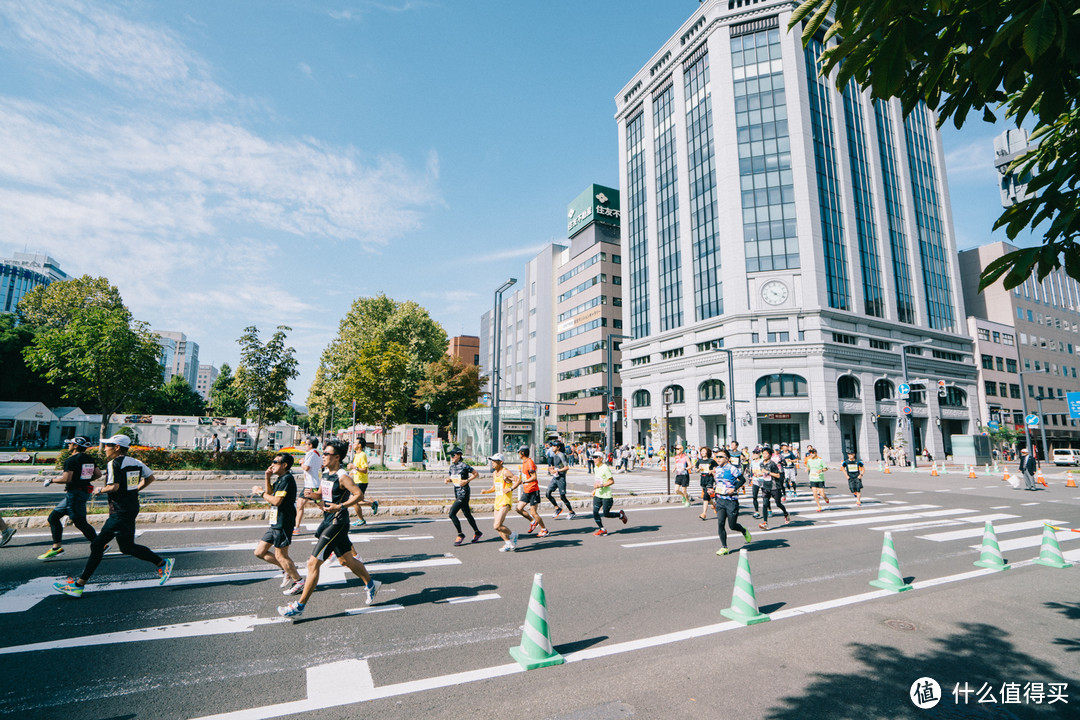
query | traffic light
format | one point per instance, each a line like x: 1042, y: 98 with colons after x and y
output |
x: 547, y: 410
x: 941, y: 391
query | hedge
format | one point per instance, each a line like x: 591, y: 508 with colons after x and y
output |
x: 159, y: 459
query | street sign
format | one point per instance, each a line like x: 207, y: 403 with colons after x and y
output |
x: 603, y: 424
x: 1032, y: 420
x: 1073, y: 399
x: 907, y: 409
x: 611, y: 405
x: 993, y: 426
x: 904, y: 389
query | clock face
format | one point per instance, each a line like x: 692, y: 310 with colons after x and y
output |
x: 774, y: 292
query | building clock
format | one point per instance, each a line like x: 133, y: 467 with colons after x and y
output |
x: 774, y: 292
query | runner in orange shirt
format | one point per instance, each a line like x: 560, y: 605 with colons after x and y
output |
x: 530, y: 493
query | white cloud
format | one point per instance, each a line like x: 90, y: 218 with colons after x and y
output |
x: 305, y: 68
x: 972, y: 161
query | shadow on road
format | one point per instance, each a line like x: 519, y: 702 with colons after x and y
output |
x: 579, y: 644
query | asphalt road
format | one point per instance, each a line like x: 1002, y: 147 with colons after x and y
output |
x: 636, y: 614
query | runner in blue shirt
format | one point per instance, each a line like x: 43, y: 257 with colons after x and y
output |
x: 726, y: 501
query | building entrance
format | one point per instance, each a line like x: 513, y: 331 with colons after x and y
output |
x: 779, y: 433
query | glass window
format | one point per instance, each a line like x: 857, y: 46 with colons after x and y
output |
x: 642, y: 398
x: 704, y: 225
x: 667, y: 210
x: 990, y: 388
x: 781, y: 386
x: 847, y: 387
x: 883, y: 390
x: 711, y: 390
x: 677, y: 395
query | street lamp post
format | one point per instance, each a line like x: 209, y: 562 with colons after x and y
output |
x: 1023, y: 404
x: 911, y: 420
x: 611, y: 388
x: 496, y: 364
x: 731, y: 395
x: 1042, y: 427
x: 669, y: 398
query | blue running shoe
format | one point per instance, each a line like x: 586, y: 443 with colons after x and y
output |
x: 374, y: 507
x: 292, y: 610
x: 372, y: 590
x: 165, y: 571
x: 68, y: 587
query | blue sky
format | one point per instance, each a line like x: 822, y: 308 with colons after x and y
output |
x: 241, y: 163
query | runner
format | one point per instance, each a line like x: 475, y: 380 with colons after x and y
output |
x: 815, y: 466
x: 855, y: 470
x: 126, y: 477
x: 280, y: 491
x: 79, y: 472
x: 726, y: 501
x: 602, y: 499
x: 681, y: 465
x: 461, y: 474
x: 530, y: 493
x: 335, y: 495
x: 359, y: 469
x: 789, y: 462
x: 705, y: 466
x: 772, y: 484
x: 6, y: 533
x: 503, y: 485
x: 558, y: 468
x: 312, y: 467
x: 757, y: 475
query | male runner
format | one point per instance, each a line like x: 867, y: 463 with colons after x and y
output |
x: 6, y: 533
x: 461, y: 474
x: 789, y: 462
x: 530, y: 493
x: 705, y: 465
x: 503, y: 485
x: 336, y: 494
x: 126, y: 477
x: 757, y: 474
x: 558, y: 468
x: 359, y: 469
x: 772, y: 484
x: 728, y: 481
x: 854, y: 469
x: 815, y: 467
x: 280, y: 491
x: 312, y: 467
x: 79, y: 472
x: 602, y: 499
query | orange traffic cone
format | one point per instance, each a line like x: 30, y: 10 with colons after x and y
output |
x: 1006, y: 477
x: 971, y: 471
x: 1071, y: 482
x: 887, y: 470
x: 933, y: 470
x: 1040, y: 479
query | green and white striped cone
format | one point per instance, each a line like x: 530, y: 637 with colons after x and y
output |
x: 1050, y: 553
x: 536, y: 650
x: 743, y: 602
x: 991, y: 553
x: 889, y: 577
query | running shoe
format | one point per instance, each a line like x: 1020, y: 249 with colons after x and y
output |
x: 763, y: 526
x: 54, y: 552
x: 757, y: 516
x: 286, y: 581
x: 69, y: 587
x: 374, y: 507
x: 573, y: 515
x: 358, y: 523
x: 685, y: 502
x: 292, y: 610
x: 746, y: 535
x: 532, y: 526
x: 787, y: 519
x: 858, y: 503
x: 459, y: 541
x: 513, y: 540
x: 558, y: 512
x: 165, y: 571
x: 6, y: 536
x: 507, y: 547
x: 372, y: 590
x: 601, y: 532
x: 622, y: 516
x: 476, y: 537
x: 826, y: 499
x: 296, y: 588
x: 723, y: 551
x: 543, y: 533
x: 703, y: 516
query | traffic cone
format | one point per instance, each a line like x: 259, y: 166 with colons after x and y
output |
x: 887, y: 470
x: 1040, y: 479
x: 1050, y: 552
x: 971, y: 471
x: 933, y: 470
x: 889, y: 577
x: 536, y: 650
x: 1070, y: 482
x: 991, y: 553
x: 743, y: 602
x: 1005, y: 478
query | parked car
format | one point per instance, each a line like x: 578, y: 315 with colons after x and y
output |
x: 1065, y: 456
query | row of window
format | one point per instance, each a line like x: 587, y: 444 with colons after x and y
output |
x: 997, y: 337
x: 1055, y: 290
x: 994, y: 389
x: 708, y: 390
x: 1051, y: 344
x: 991, y: 362
x: 1051, y: 368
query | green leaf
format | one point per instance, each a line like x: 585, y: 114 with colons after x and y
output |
x: 1039, y: 34
x: 803, y: 10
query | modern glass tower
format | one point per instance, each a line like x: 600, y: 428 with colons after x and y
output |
x: 802, y: 232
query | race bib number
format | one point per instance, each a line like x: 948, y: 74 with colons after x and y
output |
x: 273, y: 514
x: 326, y: 487
x: 87, y: 472
x: 133, y: 479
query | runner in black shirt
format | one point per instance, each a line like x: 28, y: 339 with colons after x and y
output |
x: 280, y: 491
x: 461, y: 474
x: 705, y: 466
x: 772, y: 485
x: 854, y: 469
x: 336, y: 494
x: 125, y: 478
x: 79, y: 472
x: 789, y: 463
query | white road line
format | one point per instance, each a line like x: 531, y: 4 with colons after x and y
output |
x: 915, y: 525
x: 336, y: 697
x: 219, y: 626
x: 1032, y: 541
x: 977, y: 532
x: 909, y: 516
x: 1001, y: 507
x: 992, y: 517
x: 860, y: 512
x: 885, y: 494
x: 374, y: 609
x: 1028, y: 504
x: 915, y: 492
x: 469, y: 599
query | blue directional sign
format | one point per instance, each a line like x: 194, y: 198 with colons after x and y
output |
x: 1073, y: 399
x: 904, y: 389
x: 1032, y: 420
x: 993, y: 425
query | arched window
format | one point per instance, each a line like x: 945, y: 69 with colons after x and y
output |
x: 847, y: 387
x: 884, y: 390
x: 711, y: 390
x: 678, y: 397
x: 642, y: 398
x: 781, y: 386
x: 954, y: 397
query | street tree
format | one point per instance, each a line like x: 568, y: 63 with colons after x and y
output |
x: 960, y: 56
x: 226, y: 398
x: 375, y: 380
x: 449, y: 384
x: 18, y: 383
x: 263, y: 375
x: 89, y: 346
x: 176, y: 397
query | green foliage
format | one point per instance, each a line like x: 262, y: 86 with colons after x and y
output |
x: 264, y: 374
x: 89, y: 346
x: 175, y: 397
x: 1005, y: 435
x: 960, y: 56
x: 161, y: 459
x: 375, y: 380
x: 18, y: 383
x: 226, y: 398
x: 449, y: 384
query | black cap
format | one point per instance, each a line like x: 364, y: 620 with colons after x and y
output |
x: 455, y: 451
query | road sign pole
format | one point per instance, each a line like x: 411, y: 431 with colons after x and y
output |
x: 910, y: 421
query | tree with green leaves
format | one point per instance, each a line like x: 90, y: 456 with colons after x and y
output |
x: 959, y: 56
x: 374, y: 380
x: 263, y: 375
x: 226, y: 398
x: 1004, y: 437
x: 176, y: 397
x: 88, y: 344
x: 18, y: 383
x: 449, y: 384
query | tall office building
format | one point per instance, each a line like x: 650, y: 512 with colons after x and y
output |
x: 180, y: 356
x: 588, y: 307
x: 801, y: 233
x: 1008, y: 146
x: 24, y: 272
x: 205, y: 380
x: 465, y: 347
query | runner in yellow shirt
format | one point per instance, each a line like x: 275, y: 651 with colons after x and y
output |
x: 359, y: 469
x: 504, y: 483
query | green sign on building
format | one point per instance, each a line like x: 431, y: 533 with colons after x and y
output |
x: 597, y: 204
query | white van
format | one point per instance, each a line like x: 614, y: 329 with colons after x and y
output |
x: 1066, y: 456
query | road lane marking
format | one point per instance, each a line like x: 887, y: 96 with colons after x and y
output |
x: 1001, y: 507
x: 374, y: 609
x: 1032, y: 541
x: 910, y: 516
x: 1028, y: 504
x: 860, y: 512
x: 915, y: 525
x: 977, y: 532
x: 468, y: 599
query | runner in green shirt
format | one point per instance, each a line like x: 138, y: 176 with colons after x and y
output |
x: 601, y: 503
x: 816, y: 467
